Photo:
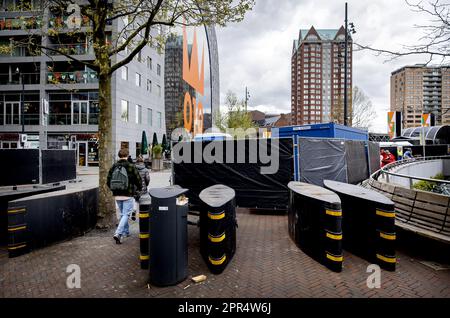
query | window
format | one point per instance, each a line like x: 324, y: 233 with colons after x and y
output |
x: 150, y: 117
x: 124, y: 110
x: 149, y: 85
x: 138, y: 114
x: 159, y: 119
x: 159, y: 90
x: 158, y: 70
x: 149, y: 62
x: 125, y: 73
x: 138, y: 79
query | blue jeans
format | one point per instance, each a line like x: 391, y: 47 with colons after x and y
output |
x: 125, y: 207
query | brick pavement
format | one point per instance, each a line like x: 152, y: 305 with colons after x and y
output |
x: 267, y: 264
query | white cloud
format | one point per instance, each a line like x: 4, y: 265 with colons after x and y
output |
x: 257, y: 52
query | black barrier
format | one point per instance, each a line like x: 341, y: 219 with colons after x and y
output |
x: 368, y: 224
x: 9, y: 195
x: 356, y: 159
x: 315, y: 223
x: 217, y: 227
x: 144, y: 230
x: 40, y: 220
x: 168, y: 239
x: 253, y: 189
x: 374, y: 156
x: 58, y: 165
x: 19, y: 166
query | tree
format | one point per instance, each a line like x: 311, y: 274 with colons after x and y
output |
x: 363, y: 111
x: 236, y: 115
x: 140, y: 18
x: 434, y: 42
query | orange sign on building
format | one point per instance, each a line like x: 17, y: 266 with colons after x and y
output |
x: 391, y: 124
x: 193, y: 111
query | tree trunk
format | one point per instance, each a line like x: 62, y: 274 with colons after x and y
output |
x: 106, y: 211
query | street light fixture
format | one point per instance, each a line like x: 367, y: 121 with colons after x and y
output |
x: 22, y: 97
x: 352, y: 30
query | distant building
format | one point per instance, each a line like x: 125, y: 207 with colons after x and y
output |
x: 418, y: 89
x: 317, y: 76
x: 267, y: 121
x: 70, y: 89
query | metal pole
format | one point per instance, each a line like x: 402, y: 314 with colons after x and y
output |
x: 22, y: 110
x: 246, y: 98
x: 345, y: 66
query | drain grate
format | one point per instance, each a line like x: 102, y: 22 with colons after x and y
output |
x: 436, y: 266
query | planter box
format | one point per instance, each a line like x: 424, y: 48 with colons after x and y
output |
x: 157, y: 164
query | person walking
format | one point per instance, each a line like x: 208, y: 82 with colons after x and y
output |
x: 123, y: 179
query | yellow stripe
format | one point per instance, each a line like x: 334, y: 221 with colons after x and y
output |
x: 16, y: 211
x: 216, y: 239
x: 144, y: 215
x: 386, y: 214
x: 17, y: 228
x: 334, y: 236
x: 144, y: 235
x: 16, y: 247
x: 386, y: 259
x: 217, y: 262
x: 335, y: 258
x: 144, y: 257
x: 387, y: 236
x: 333, y: 213
x: 216, y: 216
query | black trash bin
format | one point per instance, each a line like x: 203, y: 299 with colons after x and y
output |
x: 168, y: 236
x: 217, y: 226
x: 315, y: 223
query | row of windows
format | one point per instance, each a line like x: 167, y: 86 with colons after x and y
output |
x: 138, y: 80
x: 125, y: 114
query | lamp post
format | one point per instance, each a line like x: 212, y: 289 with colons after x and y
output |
x: 247, y: 97
x: 22, y: 96
x: 352, y: 29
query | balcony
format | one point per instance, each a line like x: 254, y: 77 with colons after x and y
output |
x: 62, y: 22
x: 20, y: 23
x: 17, y: 51
x: 14, y: 79
x: 78, y: 77
x: 71, y: 49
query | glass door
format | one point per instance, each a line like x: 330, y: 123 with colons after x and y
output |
x: 82, y: 154
x: 12, y: 113
x: 79, y: 113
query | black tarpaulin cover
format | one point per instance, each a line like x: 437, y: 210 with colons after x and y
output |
x: 374, y: 157
x: 356, y: 160
x: 322, y: 159
x: 253, y: 189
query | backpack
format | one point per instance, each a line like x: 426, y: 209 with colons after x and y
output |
x: 119, y: 179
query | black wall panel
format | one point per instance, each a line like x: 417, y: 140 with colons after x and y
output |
x: 19, y: 166
x: 58, y: 165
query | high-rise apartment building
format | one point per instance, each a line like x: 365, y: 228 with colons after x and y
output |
x: 317, y: 76
x: 61, y: 96
x: 421, y: 89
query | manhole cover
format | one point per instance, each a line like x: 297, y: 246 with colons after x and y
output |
x: 436, y: 266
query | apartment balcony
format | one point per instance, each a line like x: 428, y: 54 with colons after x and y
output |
x: 20, y: 23
x: 15, y: 79
x: 62, y: 22
x: 71, y: 49
x: 77, y: 77
x: 18, y: 51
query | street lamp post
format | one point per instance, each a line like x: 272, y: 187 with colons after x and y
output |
x: 345, y: 67
x: 22, y: 97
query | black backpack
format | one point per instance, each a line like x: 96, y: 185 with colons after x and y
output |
x: 119, y: 178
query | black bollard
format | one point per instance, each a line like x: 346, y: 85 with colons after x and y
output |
x: 144, y: 227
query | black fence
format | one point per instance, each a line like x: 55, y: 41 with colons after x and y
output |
x: 239, y: 168
x: 21, y: 166
x: 58, y: 165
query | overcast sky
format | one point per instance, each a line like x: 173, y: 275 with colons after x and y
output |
x: 257, y: 52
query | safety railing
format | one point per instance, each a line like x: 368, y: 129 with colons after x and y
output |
x: 386, y: 172
x: 78, y: 77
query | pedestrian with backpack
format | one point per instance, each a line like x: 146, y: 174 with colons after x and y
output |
x: 123, y: 179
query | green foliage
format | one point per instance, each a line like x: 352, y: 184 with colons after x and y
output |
x: 236, y: 116
x: 428, y: 185
x: 157, y: 151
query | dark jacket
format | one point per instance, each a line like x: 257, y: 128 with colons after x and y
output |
x: 145, y: 177
x: 134, y: 179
